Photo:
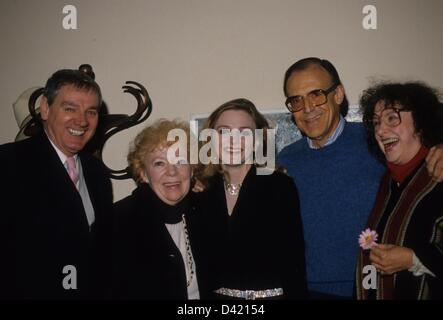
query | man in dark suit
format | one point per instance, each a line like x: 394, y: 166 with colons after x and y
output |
x: 56, y: 200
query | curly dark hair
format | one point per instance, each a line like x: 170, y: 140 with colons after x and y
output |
x: 422, y: 100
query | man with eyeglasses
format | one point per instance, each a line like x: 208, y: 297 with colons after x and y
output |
x: 336, y: 175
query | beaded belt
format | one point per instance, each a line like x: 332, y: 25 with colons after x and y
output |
x: 250, y: 294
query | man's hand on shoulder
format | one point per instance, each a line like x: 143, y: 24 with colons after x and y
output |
x: 434, y: 163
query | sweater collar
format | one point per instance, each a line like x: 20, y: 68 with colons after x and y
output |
x: 334, y: 136
x: 400, y: 172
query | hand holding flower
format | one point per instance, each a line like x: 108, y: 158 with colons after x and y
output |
x: 389, y: 258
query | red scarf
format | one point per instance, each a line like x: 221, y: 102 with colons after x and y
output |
x: 399, y: 172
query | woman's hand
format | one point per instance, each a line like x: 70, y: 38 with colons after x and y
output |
x: 389, y: 258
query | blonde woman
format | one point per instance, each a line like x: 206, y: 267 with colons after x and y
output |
x: 257, y: 240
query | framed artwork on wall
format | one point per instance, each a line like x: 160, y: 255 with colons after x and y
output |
x: 281, y: 120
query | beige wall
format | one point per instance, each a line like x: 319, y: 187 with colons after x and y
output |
x: 193, y: 55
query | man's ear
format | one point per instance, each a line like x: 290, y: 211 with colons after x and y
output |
x: 339, y: 95
x: 44, y: 108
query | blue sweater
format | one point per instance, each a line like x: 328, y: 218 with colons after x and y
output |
x: 337, y: 185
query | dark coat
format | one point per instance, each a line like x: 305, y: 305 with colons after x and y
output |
x: 44, y: 226
x: 408, y: 215
x: 147, y: 263
x: 260, y: 246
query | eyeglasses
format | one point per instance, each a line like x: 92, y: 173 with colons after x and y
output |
x: 390, y: 117
x: 316, y: 97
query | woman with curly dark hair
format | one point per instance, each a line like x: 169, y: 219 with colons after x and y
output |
x: 403, y: 121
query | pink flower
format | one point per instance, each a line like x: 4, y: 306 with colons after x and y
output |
x: 367, y: 239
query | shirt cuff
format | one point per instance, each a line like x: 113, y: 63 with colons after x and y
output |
x: 418, y: 268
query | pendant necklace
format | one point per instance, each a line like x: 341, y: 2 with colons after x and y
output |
x: 233, y: 188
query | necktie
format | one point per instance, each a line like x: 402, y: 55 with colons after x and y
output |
x: 72, y: 169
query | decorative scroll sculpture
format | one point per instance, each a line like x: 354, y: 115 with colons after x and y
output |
x: 109, y: 124
x: 113, y: 123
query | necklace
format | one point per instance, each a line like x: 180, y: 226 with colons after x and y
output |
x: 189, y: 259
x: 233, y: 188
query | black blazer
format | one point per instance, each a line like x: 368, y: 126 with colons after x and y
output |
x: 261, y: 245
x: 147, y: 263
x: 44, y: 226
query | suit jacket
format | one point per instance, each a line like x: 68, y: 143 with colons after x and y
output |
x: 44, y: 226
x: 147, y: 263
